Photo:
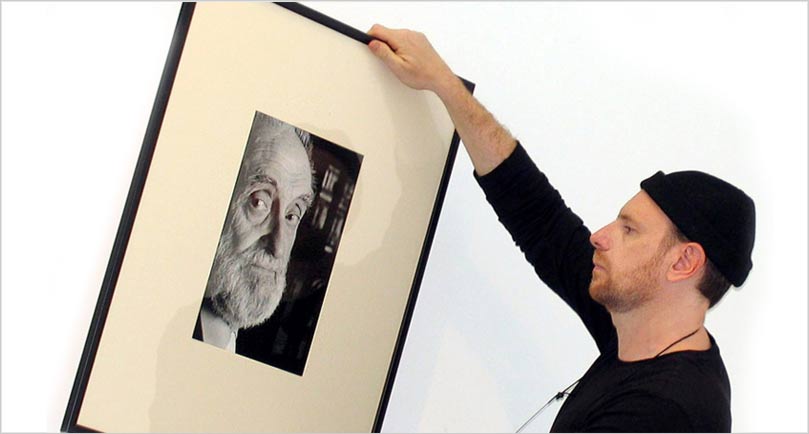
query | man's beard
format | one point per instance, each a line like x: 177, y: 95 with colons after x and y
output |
x: 635, y: 289
x: 242, y: 293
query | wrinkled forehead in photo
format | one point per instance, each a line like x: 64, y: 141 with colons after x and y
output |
x: 271, y: 139
x: 277, y: 153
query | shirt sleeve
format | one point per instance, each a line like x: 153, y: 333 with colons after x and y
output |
x: 553, y: 239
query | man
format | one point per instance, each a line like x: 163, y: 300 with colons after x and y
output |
x: 642, y: 284
x: 272, y: 192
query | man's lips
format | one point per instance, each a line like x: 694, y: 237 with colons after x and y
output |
x: 266, y: 268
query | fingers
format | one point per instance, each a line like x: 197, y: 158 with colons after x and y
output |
x: 389, y: 36
x: 407, y: 54
x: 384, y: 52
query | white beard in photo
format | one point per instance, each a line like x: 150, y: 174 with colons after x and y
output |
x: 243, y: 294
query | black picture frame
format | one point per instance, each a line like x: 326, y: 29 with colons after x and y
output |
x: 133, y: 201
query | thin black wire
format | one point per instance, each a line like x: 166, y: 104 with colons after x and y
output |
x: 556, y: 397
x: 566, y: 391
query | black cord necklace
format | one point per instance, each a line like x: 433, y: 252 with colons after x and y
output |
x: 678, y: 341
x: 567, y: 390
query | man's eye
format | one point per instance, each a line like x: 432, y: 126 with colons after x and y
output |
x: 627, y: 229
x: 259, y: 201
x: 293, y: 218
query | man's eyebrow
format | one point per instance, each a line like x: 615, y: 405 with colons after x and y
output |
x: 261, y: 178
x: 307, y: 198
x: 627, y: 218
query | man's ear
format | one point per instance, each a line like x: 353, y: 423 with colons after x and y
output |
x: 691, y: 257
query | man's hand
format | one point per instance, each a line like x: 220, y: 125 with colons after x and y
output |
x: 411, y: 58
x: 414, y: 61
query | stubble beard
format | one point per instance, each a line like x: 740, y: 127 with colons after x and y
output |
x: 623, y: 295
x: 241, y: 293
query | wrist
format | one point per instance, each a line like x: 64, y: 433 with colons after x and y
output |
x: 448, y: 87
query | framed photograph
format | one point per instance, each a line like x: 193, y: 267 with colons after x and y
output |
x: 276, y: 231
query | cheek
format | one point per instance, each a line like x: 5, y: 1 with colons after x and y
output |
x: 291, y: 233
x: 243, y: 233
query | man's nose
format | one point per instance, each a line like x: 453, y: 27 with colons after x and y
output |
x: 600, y: 239
x: 274, y: 237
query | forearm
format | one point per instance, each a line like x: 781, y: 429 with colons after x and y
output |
x: 486, y: 140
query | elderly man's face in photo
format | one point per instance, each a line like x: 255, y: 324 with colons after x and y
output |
x: 273, y: 192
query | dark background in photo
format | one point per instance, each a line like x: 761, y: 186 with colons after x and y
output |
x: 285, y: 338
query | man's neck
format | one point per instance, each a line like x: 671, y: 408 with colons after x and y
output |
x: 646, y: 331
x: 216, y: 331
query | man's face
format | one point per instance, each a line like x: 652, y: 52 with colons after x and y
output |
x: 629, y: 261
x: 273, y: 192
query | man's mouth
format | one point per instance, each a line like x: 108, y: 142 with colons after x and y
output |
x: 266, y: 268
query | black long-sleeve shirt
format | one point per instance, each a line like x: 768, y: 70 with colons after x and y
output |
x: 678, y: 392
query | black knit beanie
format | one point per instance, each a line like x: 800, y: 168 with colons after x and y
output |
x: 711, y: 212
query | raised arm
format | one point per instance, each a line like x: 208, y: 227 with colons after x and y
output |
x: 553, y: 239
x: 413, y: 60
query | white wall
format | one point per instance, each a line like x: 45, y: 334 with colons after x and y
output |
x: 602, y: 95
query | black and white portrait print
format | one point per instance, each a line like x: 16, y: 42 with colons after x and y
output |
x: 277, y: 248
